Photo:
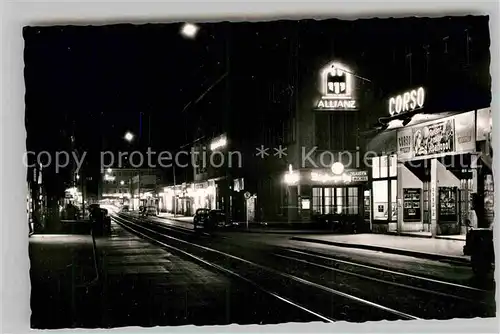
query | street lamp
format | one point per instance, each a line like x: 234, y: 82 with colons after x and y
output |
x: 337, y: 168
x: 129, y: 136
x: 291, y: 177
x: 189, y: 30
x: 218, y: 143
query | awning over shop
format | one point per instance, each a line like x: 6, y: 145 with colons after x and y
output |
x: 384, y: 142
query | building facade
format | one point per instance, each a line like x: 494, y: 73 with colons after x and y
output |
x: 326, y: 174
x: 429, y: 168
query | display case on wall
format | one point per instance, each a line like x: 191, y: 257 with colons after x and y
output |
x: 367, y: 205
x: 448, y: 204
x: 412, y: 204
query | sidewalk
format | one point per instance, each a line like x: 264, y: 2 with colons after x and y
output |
x: 433, y: 249
x: 63, y: 273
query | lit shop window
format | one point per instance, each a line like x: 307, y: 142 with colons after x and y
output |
x: 393, y: 166
x: 317, y: 200
x: 376, y: 167
x: 385, y: 189
x: 394, y: 201
x: 353, y: 201
x: 380, y: 200
x: 383, y: 166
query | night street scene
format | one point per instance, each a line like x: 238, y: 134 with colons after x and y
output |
x: 220, y: 173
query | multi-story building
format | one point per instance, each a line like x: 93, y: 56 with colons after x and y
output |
x: 308, y: 118
x: 432, y: 153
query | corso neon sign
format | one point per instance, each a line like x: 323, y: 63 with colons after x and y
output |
x: 407, y: 101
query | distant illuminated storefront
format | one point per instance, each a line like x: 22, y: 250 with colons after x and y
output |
x: 326, y: 191
x: 428, y: 168
x: 186, y: 198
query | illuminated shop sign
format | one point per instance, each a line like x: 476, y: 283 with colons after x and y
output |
x: 336, y: 87
x: 346, y: 177
x: 408, y: 101
x: 434, y: 138
x: 452, y: 134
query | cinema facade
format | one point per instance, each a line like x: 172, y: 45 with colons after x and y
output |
x: 428, y: 167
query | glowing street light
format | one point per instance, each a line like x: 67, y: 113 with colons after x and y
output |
x: 77, y: 177
x: 291, y: 177
x: 122, y: 182
x: 189, y: 30
x: 221, y: 142
x: 337, y: 168
x: 129, y: 136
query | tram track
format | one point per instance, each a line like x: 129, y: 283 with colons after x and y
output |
x: 326, y: 303
x: 419, y: 296
x: 355, y: 267
x: 439, y: 300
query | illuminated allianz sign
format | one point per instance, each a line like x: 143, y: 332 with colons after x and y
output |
x: 408, y: 101
x: 336, y: 88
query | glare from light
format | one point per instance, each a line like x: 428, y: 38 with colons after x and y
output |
x: 337, y: 168
x: 189, y: 30
x: 77, y: 177
x: 109, y: 178
x: 291, y: 178
x: 109, y: 170
x: 328, y: 178
x: 221, y: 142
x: 129, y: 136
x: 122, y: 182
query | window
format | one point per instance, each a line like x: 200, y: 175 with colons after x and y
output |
x: 380, y: 197
x: 393, y: 166
x: 343, y: 131
x: 376, y: 167
x: 317, y: 205
x: 336, y: 200
x: 329, y: 200
x: 322, y: 131
x: 353, y: 201
x: 383, y: 166
x: 385, y: 207
x: 394, y: 201
x: 340, y: 200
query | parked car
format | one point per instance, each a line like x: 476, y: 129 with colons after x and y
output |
x: 210, y: 219
x: 200, y: 216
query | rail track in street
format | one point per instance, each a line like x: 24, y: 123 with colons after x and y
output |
x: 340, y: 289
